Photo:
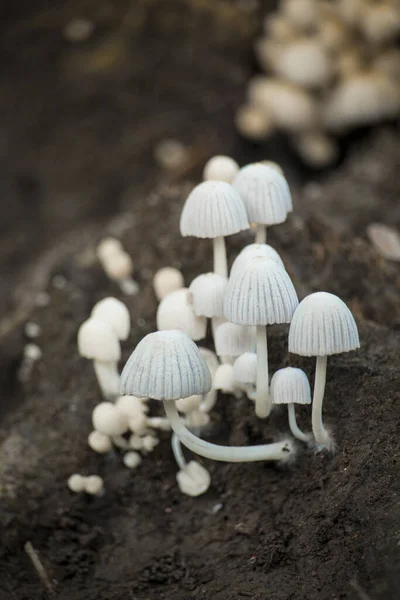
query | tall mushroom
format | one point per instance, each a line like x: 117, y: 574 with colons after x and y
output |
x: 167, y: 365
x: 214, y: 209
x: 261, y: 294
x: 266, y: 195
x: 322, y: 325
x: 291, y: 386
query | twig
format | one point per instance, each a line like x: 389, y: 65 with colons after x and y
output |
x: 357, y: 587
x: 39, y: 568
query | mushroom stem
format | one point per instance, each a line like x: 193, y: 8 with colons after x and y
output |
x: 220, y: 260
x: 263, y: 405
x: 294, y: 428
x: 108, y: 378
x: 279, y: 451
x: 321, y: 435
x: 177, y: 450
x: 261, y: 234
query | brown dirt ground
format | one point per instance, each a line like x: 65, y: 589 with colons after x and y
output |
x: 327, y: 527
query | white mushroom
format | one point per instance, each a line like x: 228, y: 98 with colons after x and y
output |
x: 245, y: 373
x: 193, y: 479
x: 214, y: 210
x: 208, y: 294
x: 212, y: 362
x: 233, y: 340
x: 167, y: 365
x: 305, y: 63
x: 175, y: 311
x: 220, y: 168
x: 260, y: 294
x: 253, y: 122
x: 97, y: 341
x: 99, y: 442
x: 167, y: 280
x: 107, y: 248
x: 94, y: 485
x: 76, y: 483
x: 266, y: 195
x: 316, y: 148
x: 291, y: 386
x: 132, y: 459
x: 107, y: 419
x: 224, y: 379
x: 114, y: 313
x: 251, y: 251
x: 322, y: 325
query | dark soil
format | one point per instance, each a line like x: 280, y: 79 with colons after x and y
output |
x: 326, y: 527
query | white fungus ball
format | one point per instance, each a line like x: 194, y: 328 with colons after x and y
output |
x: 221, y: 168
x: 131, y: 406
x: 76, y: 483
x: 99, y: 442
x: 149, y: 443
x: 167, y: 280
x: 107, y: 419
x: 94, y: 485
x: 132, y: 460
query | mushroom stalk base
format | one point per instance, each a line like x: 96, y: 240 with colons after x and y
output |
x: 294, y: 428
x: 108, y: 378
x: 278, y: 451
x: 263, y: 405
x: 321, y: 435
x: 220, y: 260
x: 261, y: 234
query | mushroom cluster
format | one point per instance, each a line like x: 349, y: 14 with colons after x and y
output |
x: 330, y: 67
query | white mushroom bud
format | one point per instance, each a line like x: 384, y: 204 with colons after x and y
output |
x: 220, y: 168
x: 99, y: 442
x: 208, y: 294
x: 130, y: 406
x: 132, y: 459
x: 214, y: 210
x: 76, y: 483
x: 316, y: 149
x: 322, y: 325
x: 233, y: 340
x: 245, y: 368
x: 118, y: 266
x: 149, y: 442
x: 253, y: 122
x: 176, y: 312
x: 136, y: 442
x: 94, y: 485
x: 175, y: 369
x: 167, y: 280
x: 189, y: 404
x: 212, y: 363
x: 196, y: 420
x: 291, y: 386
x: 107, y: 248
x: 138, y: 424
x: 251, y: 251
x: 114, y: 313
x: 224, y: 379
x: 305, y: 63
x: 193, y: 480
x: 97, y: 341
x: 107, y: 419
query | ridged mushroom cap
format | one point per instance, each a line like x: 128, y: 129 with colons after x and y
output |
x: 261, y: 293
x: 175, y: 311
x: 208, y: 294
x: 322, y: 325
x: 233, y: 340
x: 265, y: 193
x: 245, y: 368
x: 213, y: 209
x: 114, y: 312
x: 165, y: 365
x: 98, y: 341
x: 251, y: 251
x: 290, y: 386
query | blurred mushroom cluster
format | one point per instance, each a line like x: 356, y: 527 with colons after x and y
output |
x: 331, y: 67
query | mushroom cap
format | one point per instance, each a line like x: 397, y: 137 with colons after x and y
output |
x: 94, y: 485
x: 76, y: 483
x: 165, y: 365
x: 118, y: 266
x: 233, y: 340
x: 220, y: 168
x: 99, y: 442
x: 261, y: 293
x: 194, y: 479
x: 265, y: 193
x: 107, y: 419
x: 176, y: 312
x: 322, y: 325
x: 114, y: 313
x: 130, y: 406
x: 98, y: 341
x: 251, y: 251
x: 208, y: 294
x: 290, y: 386
x: 245, y: 368
x: 224, y: 379
x: 167, y: 280
x: 108, y: 247
x: 213, y: 209
x: 304, y: 62
x: 188, y: 405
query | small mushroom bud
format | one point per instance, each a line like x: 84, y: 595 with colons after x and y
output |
x: 99, y: 442
x: 253, y: 122
x: 76, y: 483
x: 107, y: 419
x: 166, y: 281
x: 94, y: 485
x: 220, y: 168
x: 132, y: 459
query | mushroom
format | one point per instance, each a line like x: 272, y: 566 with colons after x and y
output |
x: 99, y: 442
x: 322, y: 325
x: 167, y: 280
x: 233, y: 340
x: 167, y: 365
x: 220, y: 168
x: 302, y: 13
x: 260, y: 294
x: 108, y: 420
x: 214, y: 209
x: 192, y: 478
x: 208, y: 295
x: 94, y: 485
x: 317, y: 149
x: 175, y: 311
x: 304, y: 62
x: 224, y: 379
x: 132, y: 459
x: 291, y: 386
x: 266, y: 195
x: 253, y: 122
x: 381, y: 22
x: 76, y: 483
x: 195, y: 418
x: 97, y: 341
x: 114, y: 313
x: 245, y: 373
x: 251, y: 251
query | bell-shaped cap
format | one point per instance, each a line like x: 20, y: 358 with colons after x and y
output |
x: 208, y: 294
x: 167, y: 280
x: 175, y: 311
x: 262, y: 293
x: 165, y: 365
x: 265, y: 193
x: 213, y: 209
x: 234, y: 340
x: 98, y: 341
x: 290, y: 386
x: 322, y: 325
x: 194, y: 479
x: 251, y: 251
x: 245, y: 368
x: 115, y: 313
